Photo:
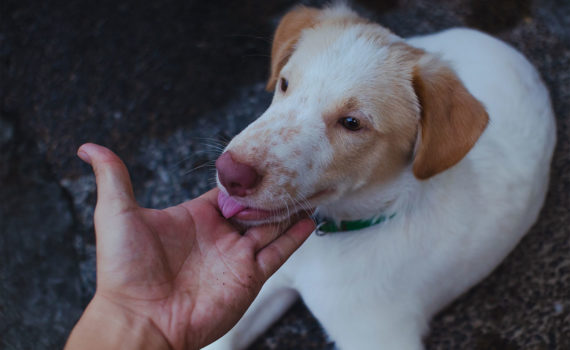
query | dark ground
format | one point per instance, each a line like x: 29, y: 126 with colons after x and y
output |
x: 162, y: 84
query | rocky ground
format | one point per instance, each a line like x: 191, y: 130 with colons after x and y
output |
x: 166, y: 83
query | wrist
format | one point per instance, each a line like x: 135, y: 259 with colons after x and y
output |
x: 106, y: 325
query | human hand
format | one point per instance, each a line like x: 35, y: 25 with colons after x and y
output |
x: 174, y: 278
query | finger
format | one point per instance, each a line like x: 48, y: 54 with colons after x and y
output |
x: 211, y: 196
x: 275, y: 254
x: 114, y: 189
x: 265, y: 234
x: 261, y: 236
x: 205, y: 206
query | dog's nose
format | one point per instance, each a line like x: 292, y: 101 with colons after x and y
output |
x: 236, y: 177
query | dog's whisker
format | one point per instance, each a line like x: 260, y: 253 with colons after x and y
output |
x: 212, y: 153
x: 287, y: 207
x: 198, y: 167
x: 302, y: 203
x: 217, y: 148
x: 194, y: 154
x: 213, y: 145
x: 212, y: 181
x: 214, y: 142
x: 185, y: 159
x: 213, y: 139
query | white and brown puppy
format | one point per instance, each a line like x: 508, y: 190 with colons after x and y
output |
x: 428, y: 158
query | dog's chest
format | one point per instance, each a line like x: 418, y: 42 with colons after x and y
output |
x: 346, y: 260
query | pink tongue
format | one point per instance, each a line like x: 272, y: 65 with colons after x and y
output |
x: 228, y: 206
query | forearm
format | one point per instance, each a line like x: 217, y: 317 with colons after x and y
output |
x: 104, y: 326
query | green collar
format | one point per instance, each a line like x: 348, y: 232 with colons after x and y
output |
x: 327, y: 225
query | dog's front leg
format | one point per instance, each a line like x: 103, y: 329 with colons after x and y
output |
x: 360, y: 320
x: 387, y: 333
x: 273, y: 300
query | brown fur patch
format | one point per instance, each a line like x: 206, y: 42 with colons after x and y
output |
x: 286, y: 36
x: 388, y: 112
x: 287, y: 134
x: 294, y: 22
x: 451, y: 119
x: 344, y: 108
x: 350, y: 104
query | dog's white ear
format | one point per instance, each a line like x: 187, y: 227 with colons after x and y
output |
x: 286, y: 36
x: 451, y: 118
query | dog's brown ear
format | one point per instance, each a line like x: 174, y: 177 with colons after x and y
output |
x: 451, y: 118
x: 286, y: 36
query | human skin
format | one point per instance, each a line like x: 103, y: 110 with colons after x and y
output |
x: 177, y: 278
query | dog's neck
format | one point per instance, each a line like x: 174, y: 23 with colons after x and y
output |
x: 369, y: 202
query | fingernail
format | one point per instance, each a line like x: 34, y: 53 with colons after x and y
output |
x: 84, y: 156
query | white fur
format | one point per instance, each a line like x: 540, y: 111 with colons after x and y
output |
x: 378, y: 288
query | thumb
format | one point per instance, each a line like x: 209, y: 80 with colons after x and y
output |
x: 114, y: 189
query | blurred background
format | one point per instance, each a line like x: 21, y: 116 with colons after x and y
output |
x: 165, y: 84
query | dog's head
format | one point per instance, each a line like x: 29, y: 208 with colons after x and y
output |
x: 354, y: 107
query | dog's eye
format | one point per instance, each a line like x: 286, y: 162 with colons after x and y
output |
x: 350, y: 123
x: 284, y: 84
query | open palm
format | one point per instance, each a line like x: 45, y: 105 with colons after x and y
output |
x: 185, y: 268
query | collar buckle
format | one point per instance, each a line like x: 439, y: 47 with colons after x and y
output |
x: 318, y: 230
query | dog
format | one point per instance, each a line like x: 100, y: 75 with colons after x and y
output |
x: 426, y: 159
